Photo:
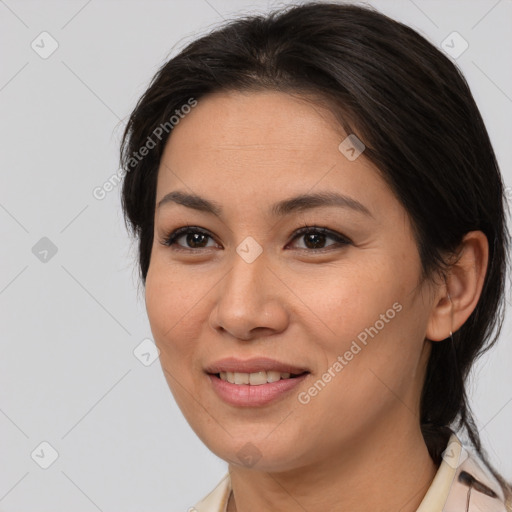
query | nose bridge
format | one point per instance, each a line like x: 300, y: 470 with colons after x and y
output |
x: 247, y: 299
x: 248, y: 273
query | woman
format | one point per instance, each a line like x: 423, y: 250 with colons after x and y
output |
x: 323, y: 253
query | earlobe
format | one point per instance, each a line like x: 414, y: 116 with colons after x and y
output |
x: 458, y: 297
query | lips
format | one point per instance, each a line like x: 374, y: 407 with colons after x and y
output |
x: 254, y: 365
x: 254, y: 382
x: 258, y: 395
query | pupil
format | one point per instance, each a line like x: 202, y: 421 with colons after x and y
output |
x: 310, y: 238
x: 193, y: 238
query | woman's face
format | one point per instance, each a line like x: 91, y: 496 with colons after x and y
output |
x: 244, y: 285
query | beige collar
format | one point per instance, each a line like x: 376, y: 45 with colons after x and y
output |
x: 448, y: 491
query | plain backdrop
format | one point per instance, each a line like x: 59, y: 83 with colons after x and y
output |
x: 70, y: 313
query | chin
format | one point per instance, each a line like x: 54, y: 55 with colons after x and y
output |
x: 254, y: 451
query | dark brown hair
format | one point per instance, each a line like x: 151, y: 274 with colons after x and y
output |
x: 414, y: 111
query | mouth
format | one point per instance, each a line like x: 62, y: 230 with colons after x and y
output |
x: 255, y: 389
x: 253, y: 365
x: 254, y: 382
x: 256, y: 378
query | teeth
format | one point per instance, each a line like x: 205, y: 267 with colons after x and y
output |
x: 275, y: 376
x: 241, y: 378
x: 258, y: 378
x: 254, y: 379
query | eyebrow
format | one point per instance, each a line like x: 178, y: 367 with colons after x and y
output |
x: 298, y: 203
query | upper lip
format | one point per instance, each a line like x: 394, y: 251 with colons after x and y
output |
x: 257, y: 364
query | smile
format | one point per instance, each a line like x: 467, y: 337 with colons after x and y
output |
x: 255, y: 379
x: 261, y: 393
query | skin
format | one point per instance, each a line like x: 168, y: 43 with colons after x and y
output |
x: 350, y: 446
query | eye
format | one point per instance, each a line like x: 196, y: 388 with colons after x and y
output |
x: 196, y: 238
x: 315, y: 237
x: 193, y: 235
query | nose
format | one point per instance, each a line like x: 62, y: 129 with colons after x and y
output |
x: 251, y: 301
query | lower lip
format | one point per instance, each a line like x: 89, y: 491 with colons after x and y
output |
x: 245, y: 395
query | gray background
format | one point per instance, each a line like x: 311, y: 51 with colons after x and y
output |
x: 70, y: 323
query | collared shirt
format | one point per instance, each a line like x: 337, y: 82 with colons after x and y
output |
x: 462, y: 483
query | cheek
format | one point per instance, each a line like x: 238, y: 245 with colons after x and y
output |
x: 171, y: 302
x: 352, y: 300
x: 170, y: 308
x: 369, y: 319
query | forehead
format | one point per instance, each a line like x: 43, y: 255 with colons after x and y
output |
x: 255, y: 126
x: 259, y: 146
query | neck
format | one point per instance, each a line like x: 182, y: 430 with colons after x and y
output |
x: 387, y: 469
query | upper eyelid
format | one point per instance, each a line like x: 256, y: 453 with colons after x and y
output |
x: 330, y: 233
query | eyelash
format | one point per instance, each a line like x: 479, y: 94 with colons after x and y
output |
x: 170, y: 240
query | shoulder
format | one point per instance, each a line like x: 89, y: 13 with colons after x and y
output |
x: 217, y: 499
x: 473, y: 486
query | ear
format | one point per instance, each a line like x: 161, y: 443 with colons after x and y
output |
x: 457, y: 298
